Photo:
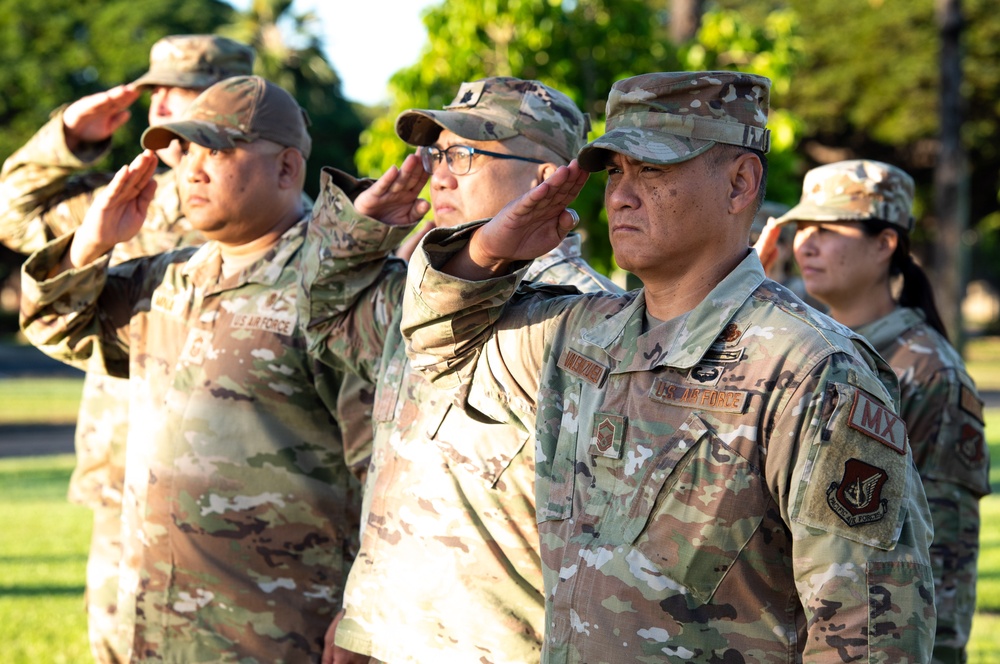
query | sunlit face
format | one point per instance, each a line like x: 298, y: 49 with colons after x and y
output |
x: 230, y: 195
x: 837, y: 260
x: 666, y: 217
x: 168, y: 104
x: 483, y: 191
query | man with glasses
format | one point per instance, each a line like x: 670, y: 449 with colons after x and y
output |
x: 449, y: 567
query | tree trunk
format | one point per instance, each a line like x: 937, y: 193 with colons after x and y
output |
x: 949, y: 263
x: 685, y: 18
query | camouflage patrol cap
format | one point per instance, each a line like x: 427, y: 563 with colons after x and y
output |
x: 855, y: 190
x: 498, y: 108
x: 670, y: 117
x: 243, y: 108
x: 196, y: 61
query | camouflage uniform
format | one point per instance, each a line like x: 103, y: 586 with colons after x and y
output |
x: 449, y: 567
x: 239, y: 513
x: 939, y: 402
x: 45, y: 192
x: 944, y: 419
x: 730, y: 485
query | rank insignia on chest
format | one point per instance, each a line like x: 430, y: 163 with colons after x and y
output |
x: 857, y: 498
x: 582, y: 366
x: 607, y: 435
x: 876, y: 421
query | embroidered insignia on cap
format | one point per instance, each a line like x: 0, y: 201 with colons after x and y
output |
x: 857, y: 499
x: 699, y: 398
x: 971, y: 405
x: 876, y: 421
x: 468, y: 96
x: 584, y: 367
x: 607, y: 435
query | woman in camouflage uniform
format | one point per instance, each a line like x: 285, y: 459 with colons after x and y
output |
x: 853, y: 249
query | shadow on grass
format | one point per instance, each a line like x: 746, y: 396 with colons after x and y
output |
x: 40, y: 591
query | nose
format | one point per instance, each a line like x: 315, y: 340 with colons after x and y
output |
x: 159, y: 105
x: 441, y: 177
x: 804, y: 243
x: 620, y: 194
x: 192, y: 164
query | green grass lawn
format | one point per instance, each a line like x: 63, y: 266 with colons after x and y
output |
x: 982, y: 357
x: 40, y: 400
x: 43, y: 555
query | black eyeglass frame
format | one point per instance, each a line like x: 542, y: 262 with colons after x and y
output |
x: 428, y: 153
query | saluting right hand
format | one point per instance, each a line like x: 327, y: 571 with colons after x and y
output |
x: 118, y: 211
x: 393, y: 198
x: 94, y: 118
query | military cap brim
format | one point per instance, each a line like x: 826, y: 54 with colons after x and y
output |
x: 646, y: 145
x: 202, y: 133
x: 422, y: 127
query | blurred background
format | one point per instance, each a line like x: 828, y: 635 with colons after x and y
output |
x: 915, y: 84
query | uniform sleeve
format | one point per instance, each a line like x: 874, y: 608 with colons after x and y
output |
x: 841, y: 471
x: 944, y: 414
x: 351, y: 287
x: 81, y: 316
x: 43, y: 193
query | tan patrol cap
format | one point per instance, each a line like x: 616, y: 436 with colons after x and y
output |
x: 498, y: 108
x: 243, y: 108
x: 855, y: 190
x: 670, y: 117
x: 196, y: 61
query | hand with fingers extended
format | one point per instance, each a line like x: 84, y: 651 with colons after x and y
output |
x: 393, y: 199
x: 117, y: 213
x: 767, y: 245
x: 526, y: 228
x: 96, y: 117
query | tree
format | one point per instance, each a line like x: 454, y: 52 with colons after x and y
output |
x: 869, y: 86
x: 289, y: 53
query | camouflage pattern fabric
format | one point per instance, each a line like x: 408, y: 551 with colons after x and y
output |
x: 239, y: 513
x: 855, y: 190
x: 196, y: 61
x: 669, y: 117
x: 45, y: 193
x: 731, y: 486
x: 944, y: 418
x: 449, y: 565
x: 502, y: 107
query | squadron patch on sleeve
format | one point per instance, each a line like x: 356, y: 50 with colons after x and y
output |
x: 856, y: 479
x: 876, y: 421
x: 857, y: 498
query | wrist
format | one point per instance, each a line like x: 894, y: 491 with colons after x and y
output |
x: 488, y: 263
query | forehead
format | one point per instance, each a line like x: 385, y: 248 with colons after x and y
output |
x: 448, y: 138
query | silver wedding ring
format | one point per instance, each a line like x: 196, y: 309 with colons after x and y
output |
x: 576, y: 217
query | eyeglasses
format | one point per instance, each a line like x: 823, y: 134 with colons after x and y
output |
x: 459, y: 158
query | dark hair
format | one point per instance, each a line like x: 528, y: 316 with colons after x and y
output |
x: 917, y: 291
x: 725, y: 151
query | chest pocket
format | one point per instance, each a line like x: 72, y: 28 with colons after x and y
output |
x: 695, y: 508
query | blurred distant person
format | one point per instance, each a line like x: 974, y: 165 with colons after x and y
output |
x: 852, y: 246
x: 45, y: 192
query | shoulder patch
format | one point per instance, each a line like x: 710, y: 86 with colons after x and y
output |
x: 971, y: 404
x: 857, y: 498
x: 871, y: 418
x: 584, y: 367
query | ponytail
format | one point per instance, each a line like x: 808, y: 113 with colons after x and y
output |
x: 917, y: 292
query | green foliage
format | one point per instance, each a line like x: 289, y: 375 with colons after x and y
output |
x: 290, y: 53
x: 580, y: 47
x: 60, y: 50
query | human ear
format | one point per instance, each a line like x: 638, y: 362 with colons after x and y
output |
x: 746, y: 178
x: 543, y: 173
x: 888, y: 240
x: 291, y: 168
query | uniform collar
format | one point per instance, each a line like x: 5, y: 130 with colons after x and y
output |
x: 205, y: 266
x: 884, y: 331
x: 622, y: 338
